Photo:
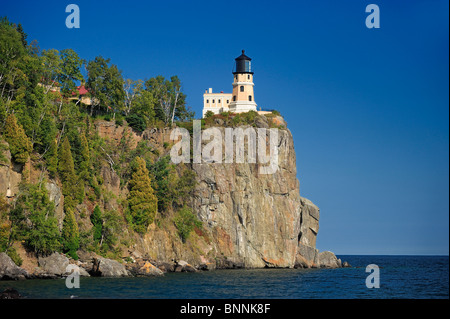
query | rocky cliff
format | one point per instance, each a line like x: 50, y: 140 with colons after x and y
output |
x: 250, y: 220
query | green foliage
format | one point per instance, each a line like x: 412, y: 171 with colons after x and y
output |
x: 171, y: 102
x: 84, y: 157
x: 162, y: 177
x: 249, y: 117
x: 70, y: 234
x: 209, y: 114
x: 33, y: 220
x: 3, y: 148
x: 97, y: 222
x: 52, y: 159
x: 39, y: 118
x: 5, y: 224
x: 70, y: 73
x: 185, y: 186
x: 142, y: 202
x: 237, y: 119
x: 112, y: 226
x: 12, y: 253
x: 66, y: 170
x: 106, y: 84
x: 19, y: 144
x: 136, y: 122
x: 186, y: 221
x: 12, y: 52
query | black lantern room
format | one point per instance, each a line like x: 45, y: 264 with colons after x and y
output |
x: 243, y: 64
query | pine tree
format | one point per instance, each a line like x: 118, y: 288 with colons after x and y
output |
x: 70, y: 234
x: 142, y: 201
x: 66, y: 167
x: 23, y: 35
x: 19, y: 144
x: 66, y: 170
x: 97, y: 222
x: 52, y: 159
x: 84, y: 164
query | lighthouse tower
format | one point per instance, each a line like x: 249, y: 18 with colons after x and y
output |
x: 243, y: 99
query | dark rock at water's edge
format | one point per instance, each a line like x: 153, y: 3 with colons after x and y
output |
x: 345, y: 264
x: 10, y: 293
x: 143, y: 268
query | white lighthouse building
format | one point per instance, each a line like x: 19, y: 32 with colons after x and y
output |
x: 242, y: 99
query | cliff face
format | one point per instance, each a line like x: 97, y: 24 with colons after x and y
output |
x: 249, y: 219
x: 257, y: 220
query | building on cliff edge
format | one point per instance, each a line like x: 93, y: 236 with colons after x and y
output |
x: 242, y: 99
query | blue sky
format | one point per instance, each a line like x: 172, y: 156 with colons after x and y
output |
x: 368, y: 108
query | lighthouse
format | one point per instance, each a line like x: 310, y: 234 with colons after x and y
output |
x: 243, y: 98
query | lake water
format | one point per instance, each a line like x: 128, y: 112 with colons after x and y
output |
x: 400, y: 277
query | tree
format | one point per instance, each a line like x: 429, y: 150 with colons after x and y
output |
x: 33, y: 219
x: 163, y: 175
x: 51, y: 158
x: 112, y: 226
x: 106, y: 85
x: 51, y: 70
x: 85, y: 156
x: 19, y: 144
x: 144, y: 106
x: 69, y: 70
x: 132, y: 90
x: 143, y: 204
x: 97, y: 222
x: 66, y: 170
x: 11, y: 53
x: 23, y: 35
x: 171, y: 101
x: 70, y: 234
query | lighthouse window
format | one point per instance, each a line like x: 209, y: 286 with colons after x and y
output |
x: 213, y: 101
x: 249, y: 97
x: 218, y: 101
x: 247, y: 66
x: 207, y: 101
x: 234, y: 98
x: 248, y: 76
x: 228, y: 101
x: 242, y: 88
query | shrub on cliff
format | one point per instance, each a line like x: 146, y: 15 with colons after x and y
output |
x: 136, y: 122
x: 97, y: 222
x: 186, y: 221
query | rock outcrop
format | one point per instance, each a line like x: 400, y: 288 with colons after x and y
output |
x: 10, y: 176
x: 258, y: 220
x: 9, y: 270
x: 104, y: 267
x: 252, y: 220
